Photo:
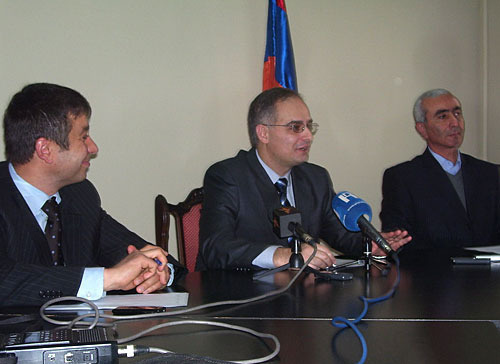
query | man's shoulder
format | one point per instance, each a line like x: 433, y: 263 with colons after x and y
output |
x: 82, y: 190
x: 479, y: 163
x: 4, y: 172
x: 7, y: 187
x: 240, y: 161
x: 407, y: 166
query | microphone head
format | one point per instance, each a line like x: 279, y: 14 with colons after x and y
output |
x: 349, y: 208
x: 282, y: 218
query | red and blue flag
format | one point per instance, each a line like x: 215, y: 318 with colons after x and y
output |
x: 279, y: 65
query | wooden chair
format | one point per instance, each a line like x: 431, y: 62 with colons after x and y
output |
x: 187, y: 217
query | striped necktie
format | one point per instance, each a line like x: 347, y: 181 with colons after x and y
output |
x: 281, y: 186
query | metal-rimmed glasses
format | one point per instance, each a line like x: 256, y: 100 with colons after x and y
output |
x: 299, y: 126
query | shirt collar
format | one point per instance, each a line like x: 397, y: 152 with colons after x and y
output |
x: 272, y: 174
x: 34, y: 197
x: 447, y: 165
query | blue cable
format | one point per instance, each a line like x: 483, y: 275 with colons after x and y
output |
x: 342, y: 322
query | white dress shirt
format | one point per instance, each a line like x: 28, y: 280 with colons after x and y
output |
x: 265, y: 259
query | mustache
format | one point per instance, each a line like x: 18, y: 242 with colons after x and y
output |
x: 304, y: 145
x: 455, y: 131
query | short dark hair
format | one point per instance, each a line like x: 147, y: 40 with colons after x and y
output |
x: 262, y: 109
x: 40, y: 110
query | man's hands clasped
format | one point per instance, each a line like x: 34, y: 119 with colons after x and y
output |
x: 140, y: 269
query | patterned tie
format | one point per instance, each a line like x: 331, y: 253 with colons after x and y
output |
x: 53, y: 230
x: 281, y: 185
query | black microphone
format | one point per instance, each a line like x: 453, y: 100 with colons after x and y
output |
x: 369, y: 230
x: 351, y: 211
x: 287, y: 222
x: 282, y: 218
x: 300, y: 233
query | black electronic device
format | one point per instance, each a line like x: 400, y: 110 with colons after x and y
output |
x: 470, y: 260
x: 328, y: 275
x: 137, y: 310
x: 57, y: 346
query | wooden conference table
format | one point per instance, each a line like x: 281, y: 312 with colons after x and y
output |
x: 440, y: 313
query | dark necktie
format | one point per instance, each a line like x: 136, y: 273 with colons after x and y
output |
x: 281, y: 185
x: 53, y: 230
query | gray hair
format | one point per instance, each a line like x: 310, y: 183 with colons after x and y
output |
x: 418, y: 110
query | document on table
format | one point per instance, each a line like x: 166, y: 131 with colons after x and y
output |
x: 489, y: 253
x: 492, y: 249
x: 170, y: 299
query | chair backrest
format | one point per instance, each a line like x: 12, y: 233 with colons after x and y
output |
x: 187, y: 217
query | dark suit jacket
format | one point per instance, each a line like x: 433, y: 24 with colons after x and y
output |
x: 418, y: 196
x: 236, y: 217
x: 91, y: 238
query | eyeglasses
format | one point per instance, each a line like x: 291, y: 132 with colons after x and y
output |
x: 299, y: 126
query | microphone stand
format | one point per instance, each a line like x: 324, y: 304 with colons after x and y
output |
x: 295, y: 262
x: 296, y: 259
x: 380, y: 263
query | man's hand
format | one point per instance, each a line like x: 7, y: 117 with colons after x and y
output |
x: 159, y: 280
x: 139, y: 270
x: 396, y: 239
x: 324, y: 256
x: 123, y: 275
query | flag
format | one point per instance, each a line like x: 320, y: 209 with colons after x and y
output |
x: 279, y: 65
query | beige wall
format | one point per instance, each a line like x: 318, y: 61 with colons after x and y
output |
x: 492, y: 89
x: 170, y: 82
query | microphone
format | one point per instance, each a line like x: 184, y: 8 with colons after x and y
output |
x: 299, y: 232
x: 351, y: 211
x: 287, y: 222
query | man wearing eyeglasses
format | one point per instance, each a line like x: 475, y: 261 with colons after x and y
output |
x: 241, y: 193
x: 445, y: 199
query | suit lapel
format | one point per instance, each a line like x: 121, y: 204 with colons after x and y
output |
x: 35, y: 240
x: 440, y: 181
x: 264, y: 184
x: 264, y: 188
x: 31, y: 244
x: 71, y: 225
x: 301, y: 189
x: 472, y: 181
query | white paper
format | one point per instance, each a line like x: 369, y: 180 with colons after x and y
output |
x: 487, y: 249
x: 170, y: 299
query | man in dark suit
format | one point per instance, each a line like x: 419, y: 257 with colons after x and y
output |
x: 48, y: 150
x: 444, y: 198
x: 240, y: 193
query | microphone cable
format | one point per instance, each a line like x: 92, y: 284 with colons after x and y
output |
x: 342, y: 322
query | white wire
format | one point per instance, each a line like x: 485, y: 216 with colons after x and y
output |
x: 96, y: 314
x: 163, y: 314
x: 212, y: 323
